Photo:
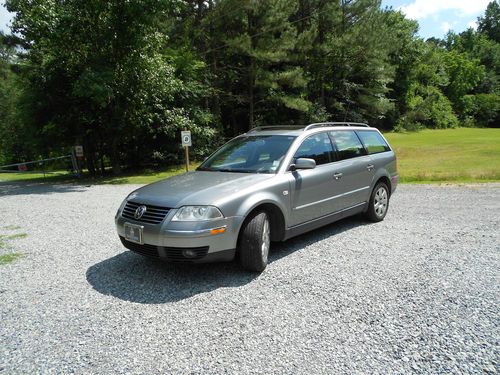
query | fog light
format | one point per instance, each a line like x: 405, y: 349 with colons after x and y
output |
x: 188, y: 253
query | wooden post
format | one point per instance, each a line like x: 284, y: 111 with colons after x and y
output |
x: 186, y: 148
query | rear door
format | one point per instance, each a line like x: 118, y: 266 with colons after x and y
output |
x: 312, y: 189
x: 354, y: 169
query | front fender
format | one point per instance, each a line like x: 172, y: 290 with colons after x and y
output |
x: 255, y: 200
x: 242, y: 204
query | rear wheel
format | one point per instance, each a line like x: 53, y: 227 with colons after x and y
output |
x: 254, y: 242
x: 379, y: 202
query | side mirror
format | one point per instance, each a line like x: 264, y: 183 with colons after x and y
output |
x: 303, y: 163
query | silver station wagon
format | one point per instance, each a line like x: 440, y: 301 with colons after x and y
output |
x: 269, y: 184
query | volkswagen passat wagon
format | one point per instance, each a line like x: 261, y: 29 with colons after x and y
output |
x: 269, y: 184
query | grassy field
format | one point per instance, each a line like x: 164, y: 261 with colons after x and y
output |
x: 452, y: 155
x: 455, y: 155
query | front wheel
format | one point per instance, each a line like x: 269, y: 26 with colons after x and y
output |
x: 379, y: 203
x: 254, y: 242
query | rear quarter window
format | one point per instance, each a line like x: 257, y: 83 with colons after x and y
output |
x: 373, y: 142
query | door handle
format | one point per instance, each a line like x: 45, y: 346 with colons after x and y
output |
x: 337, y: 175
x: 370, y: 167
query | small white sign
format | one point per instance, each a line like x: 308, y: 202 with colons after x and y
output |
x: 79, y: 151
x: 186, y: 138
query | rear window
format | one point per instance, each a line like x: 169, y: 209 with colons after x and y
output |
x: 373, y: 141
x: 347, y: 144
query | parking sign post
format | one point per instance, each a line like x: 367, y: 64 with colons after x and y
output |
x: 186, y: 143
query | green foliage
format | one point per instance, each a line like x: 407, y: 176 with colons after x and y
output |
x: 428, y: 107
x: 490, y: 23
x: 481, y: 109
x: 463, y: 74
x: 107, y: 78
x: 123, y: 78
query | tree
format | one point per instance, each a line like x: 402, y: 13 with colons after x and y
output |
x: 490, y: 23
x: 106, y: 74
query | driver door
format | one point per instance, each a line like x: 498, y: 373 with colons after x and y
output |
x: 311, y: 189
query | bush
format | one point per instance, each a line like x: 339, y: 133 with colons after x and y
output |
x: 483, y: 108
x: 428, y: 107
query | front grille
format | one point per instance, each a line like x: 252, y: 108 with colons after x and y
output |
x: 153, y: 214
x: 146, y: 250
x: 174, y: 254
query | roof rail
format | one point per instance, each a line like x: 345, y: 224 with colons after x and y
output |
x: 321, y: 124
x: 276, y: 127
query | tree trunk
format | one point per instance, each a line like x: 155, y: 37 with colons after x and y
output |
x: 251, y: 73
x: 115, y: 157
x: 251, y: 82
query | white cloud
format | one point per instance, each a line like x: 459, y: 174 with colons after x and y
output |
x: 423, y: 8
x: 472, y: 24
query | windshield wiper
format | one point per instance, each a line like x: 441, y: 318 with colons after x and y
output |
x: 205, y: 169
x: 233, y: 170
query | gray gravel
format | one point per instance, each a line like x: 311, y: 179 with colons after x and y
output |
x: 417, y: 293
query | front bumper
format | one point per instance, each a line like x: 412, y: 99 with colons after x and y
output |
x: 168, y: 240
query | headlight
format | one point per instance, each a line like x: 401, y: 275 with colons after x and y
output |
x: 197, y: 213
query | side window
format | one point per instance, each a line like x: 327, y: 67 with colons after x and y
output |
x: 347, y: 144
x: 317, y: 147
x: 373, y: 141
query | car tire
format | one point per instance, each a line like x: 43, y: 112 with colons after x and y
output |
x: 379, y: 203
x: 254, y: 242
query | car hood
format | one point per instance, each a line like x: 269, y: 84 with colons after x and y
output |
x: 195, y: 188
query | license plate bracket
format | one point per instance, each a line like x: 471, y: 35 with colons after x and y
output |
x: 133, y: 233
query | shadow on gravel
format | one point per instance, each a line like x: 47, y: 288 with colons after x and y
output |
x: 282, y: 249
x: 132, y: 277
x: 27, y: 188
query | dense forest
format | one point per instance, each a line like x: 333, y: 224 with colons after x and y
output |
x: 122, y: 78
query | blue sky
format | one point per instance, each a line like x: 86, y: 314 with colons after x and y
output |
x: 435, y: 17
x: 4, y: 16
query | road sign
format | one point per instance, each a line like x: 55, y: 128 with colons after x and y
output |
x: 186, y: 138
x: 79, y: 151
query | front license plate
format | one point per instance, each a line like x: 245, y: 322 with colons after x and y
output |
x: 133, y: 233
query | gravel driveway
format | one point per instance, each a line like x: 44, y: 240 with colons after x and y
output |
x: 416, y: 293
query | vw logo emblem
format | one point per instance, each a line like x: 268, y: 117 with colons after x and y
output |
x: 141, y: 210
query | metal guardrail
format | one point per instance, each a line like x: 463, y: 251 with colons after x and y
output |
x: 41, y: 162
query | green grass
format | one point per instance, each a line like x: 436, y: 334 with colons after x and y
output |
x: 14, y: 236
x: 142, y: 177
x: 37, y: 177
x: 12, y: 227
x: 4, y: 238
x: 428, y: 156
x: 451, y: 155
x: 9, y: 258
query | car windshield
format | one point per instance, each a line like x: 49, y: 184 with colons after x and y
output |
x: 249, y: 154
